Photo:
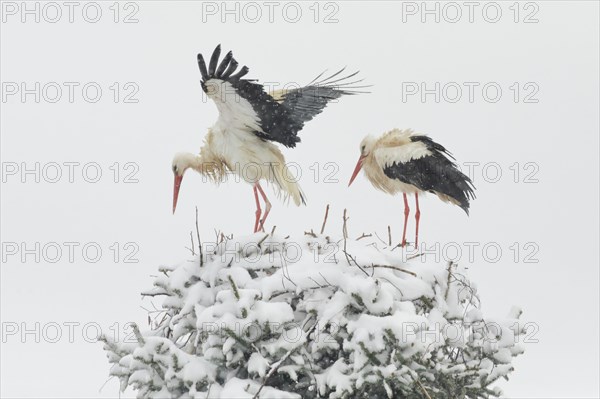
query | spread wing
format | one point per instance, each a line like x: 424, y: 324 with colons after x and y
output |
x: 244, y: 103
x: 307, y: 102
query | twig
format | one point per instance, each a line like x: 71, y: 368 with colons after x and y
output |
x: 356, y: 263
x: 325, y: 219
x: 319, y: 284
x: 192, y: 248
x: 403, y: 244
x: 414, y: 256
x: 345, y: 230
x: 187, y: 340
x: 399, y: 245
x: 310, y: 233
x: 199, y: 242
x: 154, y: 293
x: 389, y: 236
x: 383, y: 242
x: 449, y: 277
x: 394, y: 268
x: 345, y: 235
x: 284, y: 270
x: 393, y: 285
x: 234, y: 288
x: 106, y: 382
x: 262, y: 240
x: 423, y: 388
x: 276, y: 366
x: 324, y: 278
x: 316, y: 282
x: 273, y: 230
x: 364, y: 236
x: 138, y: 334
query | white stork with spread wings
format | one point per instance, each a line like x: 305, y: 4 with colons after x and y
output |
x: 250, y: 121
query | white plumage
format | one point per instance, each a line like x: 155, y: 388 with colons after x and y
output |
x: 250, y: 120
x: 401, y: 161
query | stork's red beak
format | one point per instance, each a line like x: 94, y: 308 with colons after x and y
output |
x: 357, y: 169
x: 176, y: 187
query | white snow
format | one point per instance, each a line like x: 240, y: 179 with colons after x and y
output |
x: 319, y: 320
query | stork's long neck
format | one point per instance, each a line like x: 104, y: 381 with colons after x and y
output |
x: 207, y: 164
x: 196, y: 163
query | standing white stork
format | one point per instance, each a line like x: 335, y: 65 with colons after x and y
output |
x: 250, y: 120
x: 401, y: 161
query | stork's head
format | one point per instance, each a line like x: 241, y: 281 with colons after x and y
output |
x: 181, y: 162
x: 366, y: 147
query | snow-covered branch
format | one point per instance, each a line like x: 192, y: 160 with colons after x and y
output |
x: 314, y: 317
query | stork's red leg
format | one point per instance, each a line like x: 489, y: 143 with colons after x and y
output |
x: 406, y: 212
x: 267, y: 206
x: 258, y: 210
x: 417, y: 218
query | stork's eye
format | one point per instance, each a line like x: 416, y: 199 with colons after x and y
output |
x: 362, y: 148
x: 174, y: 169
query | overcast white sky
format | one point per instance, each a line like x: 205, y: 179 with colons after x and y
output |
x: 533, y: 148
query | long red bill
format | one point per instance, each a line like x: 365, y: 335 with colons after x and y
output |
x: 176, y: 187
x: 356, y: 169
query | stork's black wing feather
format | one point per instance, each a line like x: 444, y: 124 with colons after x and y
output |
x: 432, y: 145
x: 276, y: 120
x: 224, y: 64
x: 434, y: 173
x: 307, y: 102
x: 280, y: 119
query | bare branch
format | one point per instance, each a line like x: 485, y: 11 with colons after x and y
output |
x: 192, y: 247
x: 138, y: 334
x: 262, y: 240
x: 199, y: 242
x: 383, y: 242
x: 316, y: 282
x: 234, y: 287
x: 324, y: 279
x: 348, y: 256
x: 423, y: 388
x: 364, y: 236
x: 394, y: 268
x: 415, y: 256
x: 449, y: 277
x: 325, y: 219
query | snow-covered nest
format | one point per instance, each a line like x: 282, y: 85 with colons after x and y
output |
x: 300, y: 317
